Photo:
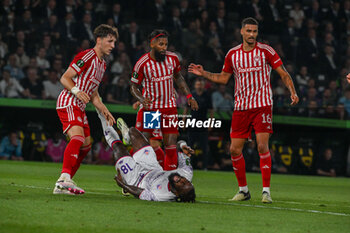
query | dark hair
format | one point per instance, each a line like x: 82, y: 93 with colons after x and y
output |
x: 249, y: 20
x: 104, y: 30
x: 156, y: 32
x: 189, y: 196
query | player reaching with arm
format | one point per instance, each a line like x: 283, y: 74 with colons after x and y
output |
x: 155, y: 72
x: 81, y: 81
x: 251, y: 63
x: 141, y: 175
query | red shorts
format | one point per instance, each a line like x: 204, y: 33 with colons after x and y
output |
x: 259, y: 119
x: 71, y: 116
x: 167, y: 119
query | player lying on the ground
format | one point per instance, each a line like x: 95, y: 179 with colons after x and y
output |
x: 141, y: 175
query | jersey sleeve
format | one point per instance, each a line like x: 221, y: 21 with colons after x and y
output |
x: 228, y: 64
x: 147, y: 196
x: 272, y: 57
x: 177, y: 67
x: 81, y: 61
x: 137, y: 74
x: 184, y: 166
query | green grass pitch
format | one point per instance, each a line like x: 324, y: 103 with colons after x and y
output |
x: 301, y: 204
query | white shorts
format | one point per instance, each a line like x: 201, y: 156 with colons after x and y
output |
x: 147, y: 158
x: 133, y: 169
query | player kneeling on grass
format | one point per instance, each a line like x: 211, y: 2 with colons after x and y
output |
x: 141, y: 175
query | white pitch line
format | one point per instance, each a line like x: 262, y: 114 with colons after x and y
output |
x: 222, y: 203
x: 277, y: 208
x: 287, y: 202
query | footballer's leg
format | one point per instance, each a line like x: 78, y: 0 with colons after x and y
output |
x: 170, y: 140
x: 112, y: 138
x: 64, y: 184
x: 238, y: 165
x: 265, y: 165
x: 138, y: 140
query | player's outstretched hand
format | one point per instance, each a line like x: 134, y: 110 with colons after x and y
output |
x: 83, y: 97
x: 295, y: 99
x: 196, y: 69
x: 146, y: 102
x: 187, y: 150
x: 348, y: 77
x: 193, y: 103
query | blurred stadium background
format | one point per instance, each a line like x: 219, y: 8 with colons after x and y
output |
x: 39, y: 38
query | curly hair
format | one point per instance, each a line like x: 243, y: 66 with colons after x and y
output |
x: 189, y: 196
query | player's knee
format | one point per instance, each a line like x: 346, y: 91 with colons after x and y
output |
x: 263, y: 148
x: 235, y: 151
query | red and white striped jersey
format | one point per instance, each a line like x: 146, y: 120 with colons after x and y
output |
x: 252, y: 72
x: 157, y: 79
x: 90, y: 70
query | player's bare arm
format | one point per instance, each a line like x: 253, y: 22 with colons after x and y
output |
x: 221, y: 78
x: 136, y: 191
x: 181, y: 83
x: 348, y: 77
x: 135, y: 91
x: 96, y: 101
x: 185, y: 148
x: 288, y: 82
x: 68, y: 83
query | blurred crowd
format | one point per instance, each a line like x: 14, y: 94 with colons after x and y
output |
x: 39, y: 38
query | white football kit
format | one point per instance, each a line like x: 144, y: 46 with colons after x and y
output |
x: 143, y: 170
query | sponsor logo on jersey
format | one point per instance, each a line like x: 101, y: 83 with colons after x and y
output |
x: 80, y: 63
x: 251, y: 69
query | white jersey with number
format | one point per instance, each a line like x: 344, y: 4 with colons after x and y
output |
x: 142, y: 170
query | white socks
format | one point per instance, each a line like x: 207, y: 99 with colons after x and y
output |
x: 65, y: 176
x: 266, y: 189
x: 244, y: 189
x: 111, y: 135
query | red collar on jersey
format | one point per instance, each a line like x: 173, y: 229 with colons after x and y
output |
x: 160, y: 34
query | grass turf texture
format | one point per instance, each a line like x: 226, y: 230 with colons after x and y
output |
x: 301, y: 204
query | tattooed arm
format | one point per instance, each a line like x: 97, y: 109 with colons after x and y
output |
x: 180, y: 82
x: 135, y: 91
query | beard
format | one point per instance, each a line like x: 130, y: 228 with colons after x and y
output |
x: 171, y: 179
x: 159, y: 56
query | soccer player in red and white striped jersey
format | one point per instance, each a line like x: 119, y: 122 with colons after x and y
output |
x: 81, y: 81
x: 155, y: 72
x: 251, y: 63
